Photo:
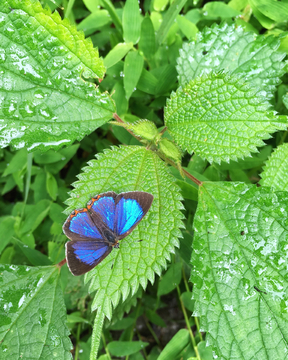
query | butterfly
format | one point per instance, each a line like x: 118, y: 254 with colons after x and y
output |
x: 95, y: 230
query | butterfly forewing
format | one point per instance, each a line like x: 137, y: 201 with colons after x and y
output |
x: 102, y: 209
x: 131, y: 207
x: 79, y: 226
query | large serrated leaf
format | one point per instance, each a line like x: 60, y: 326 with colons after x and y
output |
x: 220, y: 117
x: 32, y: 308
x: 229, y: 48
x: 240, y: 270
x: 127, y: 169
x: 275, y: 171
x: 44, y: 101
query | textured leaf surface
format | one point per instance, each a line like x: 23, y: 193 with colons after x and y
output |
x: 44, y: 101
x: 220, y: 117
x: 240, y: 243
x: 32, y: 308
x: 276, y: 169
x: 222, y: 47
x: 128, y: 169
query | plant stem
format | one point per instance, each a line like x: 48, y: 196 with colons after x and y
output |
x: 105, y: 345
x: 188, y: 324
x: 77, y: 342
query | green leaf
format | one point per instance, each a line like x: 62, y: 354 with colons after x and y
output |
x: 168, y: 19
x: 120, y: 99
x: 32, y: 307
x: 220, y: 117
x: 187, y: 27
x: 6, y: 231
x: 127, y: 169
x: 147, y: 82
x: 125, y: 348
x: 35, y: 257
x: 239, y: 246
x: 51, y: 186
x: 160, y: 5
x: 133, y: 66
x: 221, y: 47
x: 34, y: 215
x: 275, y: 10
x: 117, y: 53
x: 215, y: 9
x: 92, y: 5
x: 18, y: 162
x: 170, y: 280
x: 147, y: 42
x: 186, y: 297
x: 131, y: 21
x: 44, y: 96
x: 95, y: 21
x: 154, y: 318
x: 175, y: 346
x: 275, y: 171
x: 114, y: 16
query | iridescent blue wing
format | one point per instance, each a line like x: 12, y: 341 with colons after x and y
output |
x: 79, y: 226
x: 131, y: 207
x: 102, y: 209
x: 82, y: 256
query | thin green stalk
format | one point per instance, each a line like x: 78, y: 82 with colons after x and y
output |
x: 76, y: 355
x: 134, y: 324
x: 152, y: 331
x: 105, y: 345
x: 187, y: 324
x: 195, y: 318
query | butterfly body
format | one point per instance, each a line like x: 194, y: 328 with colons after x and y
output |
x: 94, y: 231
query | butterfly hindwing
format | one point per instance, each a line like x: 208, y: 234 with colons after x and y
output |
x: 80, y: 226
x: 82, y: 256
x: 131, y: 207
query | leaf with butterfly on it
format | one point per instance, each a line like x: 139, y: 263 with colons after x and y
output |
x: 45, y: 102
x: 135, y: 262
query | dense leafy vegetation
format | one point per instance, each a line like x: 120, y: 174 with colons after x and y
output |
x: 184, y: 99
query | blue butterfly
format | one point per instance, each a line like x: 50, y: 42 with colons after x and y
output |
x: 94, y: 231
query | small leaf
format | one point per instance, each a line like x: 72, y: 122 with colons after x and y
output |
x: 95, y: 21
x: 169, y: 149
x: 215, y: 9
x: 51, y: 186
x: 275, y: 10
x: 219, y: 117
x: 187, y: 27
x: 187, y: 300
x: 168, y: 19
x: 24, y: 289
x: 133, y: 66
x: 175, y: 346
x: 154, y: 318
x: 170, y: 280
x: 147, y: 82
x: 276, y: 168
x: 6, y: 231
x: 117, y: 53
x: 147, y: 43
x: 125, y: 348
x: 131, y: 21
x: 120, y: 99
x: 45, y: 96
x: 145, y: 129
x: 19, y: 160
x: 239, y: 244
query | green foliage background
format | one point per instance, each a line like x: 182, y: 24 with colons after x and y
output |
x: 197, y: 91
